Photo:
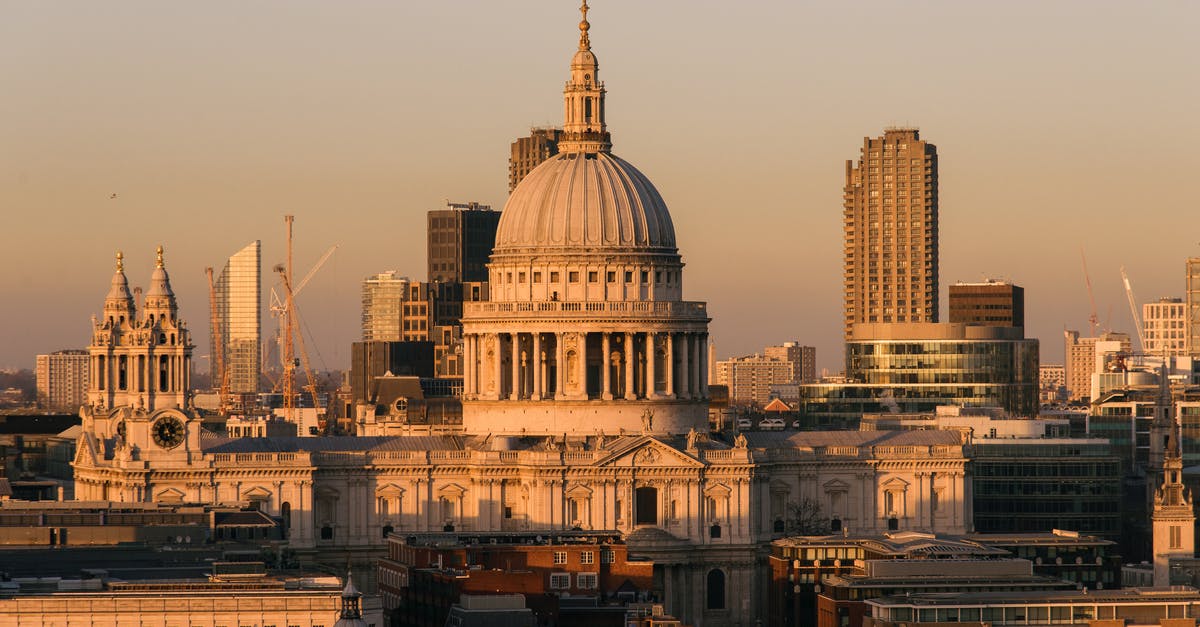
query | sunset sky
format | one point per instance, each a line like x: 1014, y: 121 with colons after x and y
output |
x: 1059, y: 125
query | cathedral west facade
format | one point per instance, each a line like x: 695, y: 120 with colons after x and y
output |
x: 585, y: 406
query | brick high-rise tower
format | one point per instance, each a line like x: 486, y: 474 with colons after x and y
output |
x: 891, y: 227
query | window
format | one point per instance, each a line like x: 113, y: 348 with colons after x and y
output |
x: 593, y: 276
x: 645, y: 276
x: 628, y: 276
x: 521, y: 277
x: 554, y: 277
x: 587, y: 557
x: 586, y: 581
x: 560, y: 557
x: 573, y: 276
x: 537, y: 277
x: 611, y: 276
x: 606, y: 556
x: 560, y: 581
x: 715, y: 594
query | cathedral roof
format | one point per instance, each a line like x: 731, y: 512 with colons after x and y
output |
x: 585, y: 201
x: 212, y: 443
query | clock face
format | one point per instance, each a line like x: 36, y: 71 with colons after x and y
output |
x: 167, y: 432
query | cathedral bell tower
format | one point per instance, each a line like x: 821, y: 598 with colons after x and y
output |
x: 584, y: 129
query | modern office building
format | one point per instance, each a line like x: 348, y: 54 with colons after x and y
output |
x: 1084, y: 607
x: 383, y: 298
x: 1164, y: 327
x: 239, y: 313
x: 369, y: 360
x: 62, y: 380
x: 990, y: 303
x: 909, y: 366
x: 460, y: 242
x: 529, y: 152
x: 891, y: 231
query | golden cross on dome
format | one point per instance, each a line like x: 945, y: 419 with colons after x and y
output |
x: 159, y: 262
x: 584, y: 44
x: 120, y: 262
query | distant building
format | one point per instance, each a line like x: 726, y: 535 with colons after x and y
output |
x: 991, y: 303
x: 461, y: 237
x: 803, y: 359
x: 1084, y: 359
x: 1052, y: 383
x: 892, y: 192
x: 1164, y: 327
x: 383, y: 296
x: 1192, y: 302
x: 1138, y: 606
x: 369, y: 360
x: 750, y: 378
x: 529, y: 152
x: 238, y: 293
x: 62, y: 380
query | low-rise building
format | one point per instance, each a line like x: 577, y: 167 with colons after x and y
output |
x: 1170, y: 607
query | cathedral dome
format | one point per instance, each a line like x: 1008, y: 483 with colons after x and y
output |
x: 585, y: 202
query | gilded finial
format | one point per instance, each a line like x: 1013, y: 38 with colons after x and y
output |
x: 159, y: 252
x: 584, y: 44
x: 120, y: 262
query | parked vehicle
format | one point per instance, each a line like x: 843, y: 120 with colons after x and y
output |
x: 772, y: 424
x: 743, y: 424
x: 795, y: 424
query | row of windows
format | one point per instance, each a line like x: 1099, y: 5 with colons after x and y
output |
x: 585, y: 557
x: 583, y: 581
x: 593, y: 276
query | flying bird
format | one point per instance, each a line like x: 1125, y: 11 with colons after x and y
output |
x: 113, y: 196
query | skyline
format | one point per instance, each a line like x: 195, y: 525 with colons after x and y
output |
x: 88, y: 123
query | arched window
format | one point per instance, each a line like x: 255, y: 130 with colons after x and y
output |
x: 714, y: 531
x: 646, y: 506
x: 715, y: 597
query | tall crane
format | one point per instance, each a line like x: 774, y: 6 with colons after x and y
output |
x: 1137, y: 318
x: 218, y: 344
x: 293, y: 334
x: 278, y: 305
x: 1093, y: 319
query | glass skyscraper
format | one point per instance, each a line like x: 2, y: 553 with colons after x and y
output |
x: 239, y: 307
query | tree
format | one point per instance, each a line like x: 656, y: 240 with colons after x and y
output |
x: 805, y: 518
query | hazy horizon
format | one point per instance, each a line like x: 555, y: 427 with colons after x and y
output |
x: 1058, y: 126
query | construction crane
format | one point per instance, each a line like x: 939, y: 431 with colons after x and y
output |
x: 279, y: 305
x: 290, y: 329
x: 1137, y: 318
x: 1093, y: 319
x: 291, y: 335
x: 218, y: 344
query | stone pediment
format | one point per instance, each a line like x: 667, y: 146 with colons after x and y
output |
x: 452, y: 490
x: 170, y: 495
x: 257, y: 493
x: 85, y: 454
x: 648, y: 453
x: 894, y: 484
x: 836, y: 485
x: 390, y: 490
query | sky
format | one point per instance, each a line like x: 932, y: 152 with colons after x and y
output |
x: 1060, y: 127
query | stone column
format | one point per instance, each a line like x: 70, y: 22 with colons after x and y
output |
x: 685, y: 353
x: 630, y: 391
x: 696, y: 366
x: 606, y: 365
x: 515, y: 384
x: 466, y: 344
x: 560, y: 371
x: 583, y: 391
x: 651, y: 390
x: 536, y: 392
x: 670, y: 365
x: 498, y: 366
x: 704, y: 357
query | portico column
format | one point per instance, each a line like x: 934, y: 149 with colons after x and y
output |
x: 651, y: 392
x: 606, y: 365
x: 536, y: 392
x: 630, y: 392
x: 498, y: 366
x: 560, y: 370
x: 685, y: 353
x: 704, y: 357
x: 516, y: 367
x: 670, y: 365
